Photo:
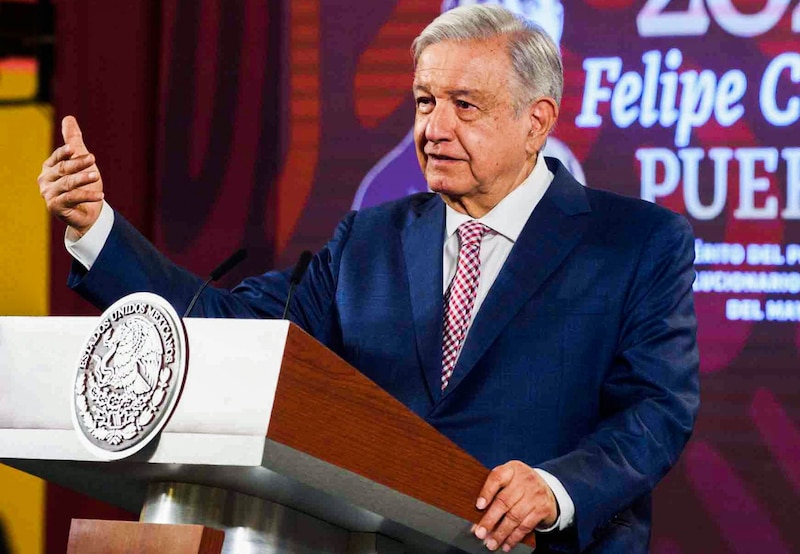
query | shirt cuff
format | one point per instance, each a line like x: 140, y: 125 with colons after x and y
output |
x: 87, y: 248
x: 566, y: 507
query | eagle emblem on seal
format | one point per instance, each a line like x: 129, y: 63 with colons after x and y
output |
x: 135, y: 353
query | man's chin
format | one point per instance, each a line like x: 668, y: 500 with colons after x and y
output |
x: 447, y: 187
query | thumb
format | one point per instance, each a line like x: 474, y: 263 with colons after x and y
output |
x: 72, y: 135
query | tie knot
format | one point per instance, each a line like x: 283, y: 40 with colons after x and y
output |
x: 471, y: 232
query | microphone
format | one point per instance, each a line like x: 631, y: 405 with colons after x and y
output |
x: 235, y: 259
x: 297, y: 276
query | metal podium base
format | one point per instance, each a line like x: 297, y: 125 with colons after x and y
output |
x: 253, y: 525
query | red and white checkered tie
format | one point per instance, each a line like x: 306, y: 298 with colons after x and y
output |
x: 460, y: 296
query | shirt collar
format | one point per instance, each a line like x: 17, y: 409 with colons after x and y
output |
x: 509, y: 216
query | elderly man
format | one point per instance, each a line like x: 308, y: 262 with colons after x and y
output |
x: 546, y: 328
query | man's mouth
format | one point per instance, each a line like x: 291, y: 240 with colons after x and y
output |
x: 442, y: 157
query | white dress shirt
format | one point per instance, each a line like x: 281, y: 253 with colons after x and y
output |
x: 506, y: 221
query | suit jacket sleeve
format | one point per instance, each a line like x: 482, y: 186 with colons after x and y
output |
x: 650, y: 395
x: 129, y: 263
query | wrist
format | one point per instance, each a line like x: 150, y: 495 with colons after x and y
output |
x: 73, y: 234
x: 565, y: 508
x: 551, y: 522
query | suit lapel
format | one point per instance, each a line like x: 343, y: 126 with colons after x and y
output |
x: 551, y: 233
x: 423, y: 242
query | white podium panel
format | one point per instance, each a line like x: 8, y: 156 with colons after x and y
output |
x: 220, y: 434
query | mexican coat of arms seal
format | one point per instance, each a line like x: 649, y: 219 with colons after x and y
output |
x: 129, y: 376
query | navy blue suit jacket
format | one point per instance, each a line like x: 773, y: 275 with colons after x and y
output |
x: 582, y: 360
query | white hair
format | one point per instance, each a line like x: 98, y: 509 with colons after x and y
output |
x: 533, y: 54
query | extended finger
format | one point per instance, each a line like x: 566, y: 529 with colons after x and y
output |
x: 72, y: 134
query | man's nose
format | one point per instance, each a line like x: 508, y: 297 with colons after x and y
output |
x: 441, y: 124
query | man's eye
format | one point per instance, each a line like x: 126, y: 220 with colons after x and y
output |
x: 462, y: 105
x: 424, y: 103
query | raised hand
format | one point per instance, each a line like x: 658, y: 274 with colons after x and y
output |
x: 70, y: 182
x: 516, y: 500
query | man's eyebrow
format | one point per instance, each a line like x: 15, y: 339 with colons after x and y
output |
x: 464, y: 92
x: 451, y: 92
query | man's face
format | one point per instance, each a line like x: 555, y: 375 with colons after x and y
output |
x: 472, y: 148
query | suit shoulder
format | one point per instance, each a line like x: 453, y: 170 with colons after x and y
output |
x: 607, y: 208
x: 633, y: 212
x: 396, y: 213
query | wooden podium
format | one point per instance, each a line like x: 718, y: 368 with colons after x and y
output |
x: 275, y: 440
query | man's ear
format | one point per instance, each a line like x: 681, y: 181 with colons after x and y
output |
x: 543, y: 114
